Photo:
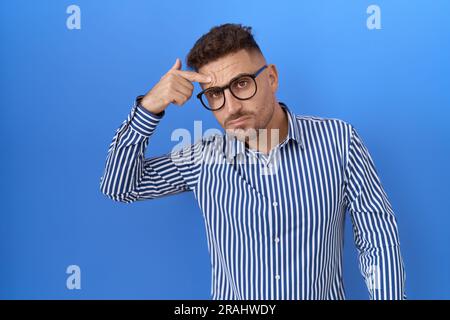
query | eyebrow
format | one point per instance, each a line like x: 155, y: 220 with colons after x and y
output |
x: 234, y: 78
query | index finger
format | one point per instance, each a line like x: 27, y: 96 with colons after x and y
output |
x: 194, y: 76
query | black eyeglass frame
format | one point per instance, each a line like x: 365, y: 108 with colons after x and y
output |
x: 253, y: 76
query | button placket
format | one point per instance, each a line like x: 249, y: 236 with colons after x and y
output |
x: 276, y: 243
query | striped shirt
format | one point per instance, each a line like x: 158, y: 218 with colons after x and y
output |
x: 275, y: 222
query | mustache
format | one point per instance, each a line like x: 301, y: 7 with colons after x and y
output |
x: 237, y: 116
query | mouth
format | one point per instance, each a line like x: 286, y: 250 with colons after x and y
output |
x: 238, y: 121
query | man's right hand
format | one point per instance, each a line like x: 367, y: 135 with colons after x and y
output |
x: 174, y: 87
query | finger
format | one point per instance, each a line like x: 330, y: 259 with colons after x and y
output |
x: 184, y: 82
x: 182, y: 90
x: 174, y: 78
x: 177, y: 65
x: 178, y: 98
x: 194, y: 76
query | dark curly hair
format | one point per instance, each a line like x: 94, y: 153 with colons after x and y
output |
x: 220, y: 41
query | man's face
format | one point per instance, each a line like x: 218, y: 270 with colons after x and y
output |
x: 256, y: 112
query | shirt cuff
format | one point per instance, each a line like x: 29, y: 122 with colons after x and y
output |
x: 144, y: 121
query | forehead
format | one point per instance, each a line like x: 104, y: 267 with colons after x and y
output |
x: 226, y: 68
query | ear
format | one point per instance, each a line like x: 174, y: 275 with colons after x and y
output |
x: 273, y: 77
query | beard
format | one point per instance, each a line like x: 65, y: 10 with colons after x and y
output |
x: 243, y: 134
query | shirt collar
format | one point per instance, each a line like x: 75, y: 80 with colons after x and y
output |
x: 294, y: 129
x: 234, y: 146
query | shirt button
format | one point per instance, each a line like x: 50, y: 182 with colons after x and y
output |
x: 277, y: 277
x: 275, y: 203
x: 277, y: 239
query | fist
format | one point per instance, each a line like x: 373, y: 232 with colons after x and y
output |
x: 176, y: 87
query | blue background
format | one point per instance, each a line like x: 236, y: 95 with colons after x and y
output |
x: 64, y: 92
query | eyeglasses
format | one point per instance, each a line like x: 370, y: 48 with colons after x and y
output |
x: 242, y: 87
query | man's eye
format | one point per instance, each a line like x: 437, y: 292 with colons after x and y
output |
x: 242, y: 84
x: 214, y: 94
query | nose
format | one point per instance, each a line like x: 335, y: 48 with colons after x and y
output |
x: 232, y: 105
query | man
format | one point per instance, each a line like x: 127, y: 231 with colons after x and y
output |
x: 273, y: 189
